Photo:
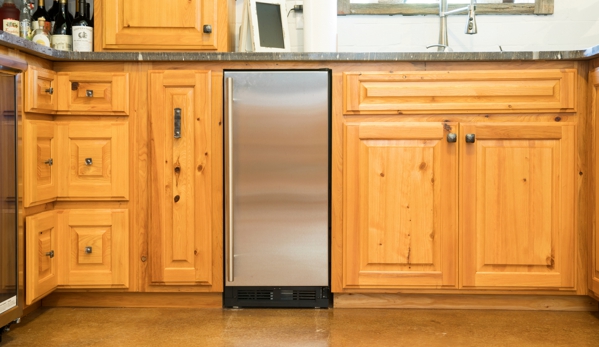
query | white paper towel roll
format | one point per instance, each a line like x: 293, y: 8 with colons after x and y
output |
x: 320, y: 25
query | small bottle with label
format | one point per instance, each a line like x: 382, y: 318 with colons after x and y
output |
x: 9, y: 15
x: 83, y: 32
x: 25, y: 20
x: 41, y: 33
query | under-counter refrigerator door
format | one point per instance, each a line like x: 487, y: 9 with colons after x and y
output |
x: 277, y: 178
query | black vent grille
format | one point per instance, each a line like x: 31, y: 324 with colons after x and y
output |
x: 276, y: 297
x: 255, y: 294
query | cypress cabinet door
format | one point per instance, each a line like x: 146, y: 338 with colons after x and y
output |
x: 517, y: 204
x: 400, y: 208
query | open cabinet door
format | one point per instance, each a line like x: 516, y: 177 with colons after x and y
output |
x: 41, y: 255
x: 594, y: 263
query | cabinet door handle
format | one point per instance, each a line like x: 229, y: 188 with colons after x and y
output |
x: 177, y: 123
x: 207, y: 29
x: 470, y: 138
x: 49, y: 91
x: 88, y: 250
x: 88, y: 161
x: 89, y: 93
x: 452, y: 137
x: 50, y: 254
x: 49, y: 162
x: 229, y: 176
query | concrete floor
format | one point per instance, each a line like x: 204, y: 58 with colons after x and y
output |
x: 49, y: 327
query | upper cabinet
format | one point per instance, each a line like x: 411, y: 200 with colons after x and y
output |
x: 163, y: 25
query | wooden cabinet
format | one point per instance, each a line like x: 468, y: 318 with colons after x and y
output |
x: 41, y: 255
x: 400, y: 212
x: 164, y: 25
x: 76, y: 248
x: 77, y: 93
x: 594, y: 245
x: 508, y: 223
x: 41, y: 152
x: 180, y: 229
x: 517, y: 203
x: 94, y: 160
x: 40, y: 90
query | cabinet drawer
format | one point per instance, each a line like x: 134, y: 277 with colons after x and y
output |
x: 460, y: 92
x: 95, y: 157
x: 40, y: 90
x: 96, y: 248
x: 95, y: 93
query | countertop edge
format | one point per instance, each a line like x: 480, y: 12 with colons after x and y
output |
x: 15, y: 42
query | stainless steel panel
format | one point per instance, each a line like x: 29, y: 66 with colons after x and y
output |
x: 280, y: 150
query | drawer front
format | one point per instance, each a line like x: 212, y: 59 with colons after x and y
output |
x: 41, y: 162
x: 460, y: 92
x: 93, y: 93
x: 41, y: 91
x: 96, y: 244
x: 96, y: 157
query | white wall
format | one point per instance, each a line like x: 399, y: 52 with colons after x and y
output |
x: 574, y: 25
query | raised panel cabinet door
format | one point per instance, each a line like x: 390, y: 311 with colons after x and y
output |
x: 40, y: 162
x: 95, y: 244
x: 164, y: 25
x: 94, y: 93
x: 180, y: 241
x: 40, y: 90
x: 517, y: 226
x: 594, y: 250
x: 41, y: 255
x: 95, y: 157
x: 400, y: 205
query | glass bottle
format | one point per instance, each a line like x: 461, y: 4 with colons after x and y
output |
x: 9, y: 15
x: 83, y: 32
x: 52, y: 13
x: 41, y: 35
x: 39, y: 13
x: 62, y: 34
x: 25, y: 20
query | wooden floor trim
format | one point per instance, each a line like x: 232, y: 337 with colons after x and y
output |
x: 467, y: 302
x: 175, y: 300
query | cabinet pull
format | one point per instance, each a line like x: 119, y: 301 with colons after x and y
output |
x: 88, y: 250
x: 49, y: 91
x: 177, y: 123
x: 89, y: 93
x: 452, y: 137
x: 207, y: 29
x: 50, y: 254
x: 49, y: 162
x: 470, y: 138
x: 88, y: 161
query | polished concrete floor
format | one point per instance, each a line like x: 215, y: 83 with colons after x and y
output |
x: 49, y: 327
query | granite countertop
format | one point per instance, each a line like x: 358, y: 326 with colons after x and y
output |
x: 12, y: 41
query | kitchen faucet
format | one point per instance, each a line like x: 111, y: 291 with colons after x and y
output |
x: 471, y: 28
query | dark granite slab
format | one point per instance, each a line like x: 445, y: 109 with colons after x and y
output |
x: 16, y: 42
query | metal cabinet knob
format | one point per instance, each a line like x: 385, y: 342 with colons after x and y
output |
x: 470, y: 138
x: 207, y: 29
x: 89, y: 93
x: 88, y: 161
x: 49, y: 162
x: 88, y: 250
x: 49, y: 91
x: 50, y: 254
x: 452, y: 137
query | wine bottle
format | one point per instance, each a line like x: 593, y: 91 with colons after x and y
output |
x: 83, y: 32
x: 39, y: 13
x: 77, y: 5
x: 52, y: 13
x: 25, y: 21
x: 62, y: 34
x: 90, y: 18
x: 9, y: 15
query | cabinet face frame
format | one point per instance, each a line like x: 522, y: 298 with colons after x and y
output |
x: 594, y: 251
x: 543, y: 170
x: 415, y: 246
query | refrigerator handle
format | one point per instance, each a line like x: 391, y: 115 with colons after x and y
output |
x: 229, y: 175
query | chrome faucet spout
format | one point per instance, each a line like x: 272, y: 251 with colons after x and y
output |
x: 471, y: 27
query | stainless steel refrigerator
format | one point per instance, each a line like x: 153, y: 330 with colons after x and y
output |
x: 277, y: 175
